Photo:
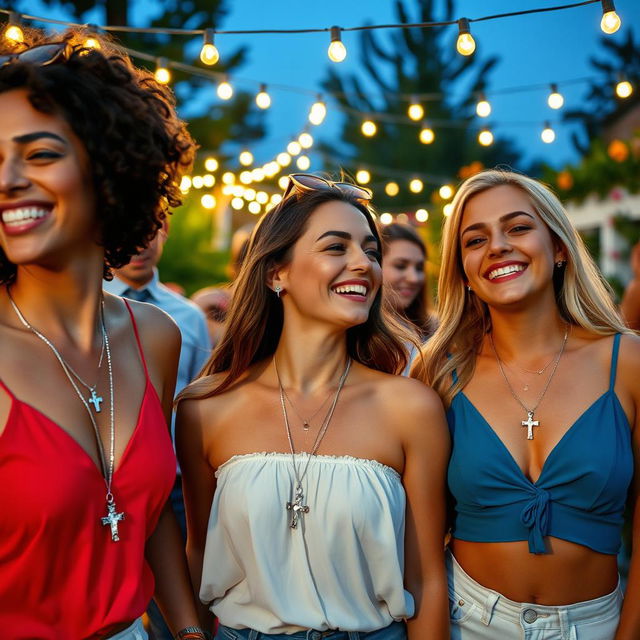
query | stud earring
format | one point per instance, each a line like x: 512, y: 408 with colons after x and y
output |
x: 469, y: 289
x: 278, y: 290
x: 560, y: 264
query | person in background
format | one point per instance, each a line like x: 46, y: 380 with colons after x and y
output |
x: 630, y: 305
x: 91, y: 156
x: 214, y: 302
x: 139, y: 280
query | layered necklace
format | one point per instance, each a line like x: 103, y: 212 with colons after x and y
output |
x: 530, y: 422
x: 296, y: 507
x: 113, y: 517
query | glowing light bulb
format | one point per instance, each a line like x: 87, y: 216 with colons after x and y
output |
x: 263, y: 99
x: 363, y: 176
x: 185, y: 184
x: 246, y: 158
x: 13, y: 33
x: 402, y: 218
x: 237, y: 203
x: 555, y: 99
x: 416, y: 185
x: 294, y: 148
x: 257, y: 175
x: 624, y: 88
x: 445, y: 191
x: 162, y: 74
x: 208, y: 180
x: 262, y: 197
x: 283, y: 182
x: 249, y: 194
x: 197, y: 182
x: 483, y: 108
x: 254, y: 207
x: 415, y: 111
x: 211, y: 164
x: 422, y: 215
x: 228, y: 177
x: 318, y: 112
x: 337, y: 51
x: 369, y: 128
x: 283, y: 159
x: 237, y: 190
x: 208, y: 201
x: 305, y: 140
x: 271, y: 168
x: 225, y: 90
x: 276, y: 198
x: 548, y: 135
x: 386, y: 218
x: 392, y: 189
x: 465, y: 44
x: 427, y: 136
x: 303, y: 162
x: 209, y: 54
x: 246, y: 177
x: 485, y: 138
x: 610, y: 22
x: 447, y: 209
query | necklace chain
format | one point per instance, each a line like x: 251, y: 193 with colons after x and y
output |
x: 530, y: 411
x: 306, y: 423
x: 296, y: 506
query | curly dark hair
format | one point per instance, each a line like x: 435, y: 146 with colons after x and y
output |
x: 138, y: 147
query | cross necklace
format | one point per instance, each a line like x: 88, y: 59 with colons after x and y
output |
x: 530, y: 422
x: 296, y: 506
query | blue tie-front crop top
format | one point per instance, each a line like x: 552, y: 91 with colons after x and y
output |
x: 581, y: 492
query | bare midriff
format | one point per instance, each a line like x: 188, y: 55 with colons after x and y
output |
x: 569, y: 573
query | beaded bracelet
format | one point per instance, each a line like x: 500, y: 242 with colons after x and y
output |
x: 193, y: 633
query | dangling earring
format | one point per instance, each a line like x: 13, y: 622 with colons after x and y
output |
x: 469, y: 289
x: 278, y: 289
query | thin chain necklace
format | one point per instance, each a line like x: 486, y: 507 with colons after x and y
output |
x: 306, y: 423
x: 113, y: 517
x: 530, y: 422
x: 296, y: 506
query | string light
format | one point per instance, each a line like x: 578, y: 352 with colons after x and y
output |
x: 276, y: 198
x: 211, y: 164
x: 415, y: 110
x: 337, y: 51
x: 303, y: 162
x: 249, y: 194
x: 246, y: 177
x: 185, y: 184
x: 197, y: 182
x: 283, y: 159
x: 363, y: 176
x: 257, y: 175
x: 228, y: 177
x: 548, y: 135
x: 445, y: 191
x: 13, y: 32
x: 555, y: 99
x: 416, y: 185
x: 208, y: 180
x: 610, y: 22
x: 465, y: 44
x: 305, y: 140
x: 236, y: 190
x: 318, y: 112
x: 254, y: 208
x: 225, y: 90
x: 485, y: 138
x: 162, y: 74
x: 263, y: 99
x: 262, y: 197
x: 402, y: 218
x: 623, y: 88
x: 209, y: 53
x: 483, y: 108
x: 283, y: 182
x: 368, y: 128
x: 208, y: 201
x: 237, y: 203
x: 447, y: 210
x: 271, y: 169
x: 294, y: 148
x: 422, y: 215
x: 392, y: 189
x: 246, y: 158
x: 426, y: 136
x: 386, y: 218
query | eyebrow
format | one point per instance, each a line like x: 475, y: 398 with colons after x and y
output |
x: 37, y: 135
x: 345, y: 235
x: 504, y: 218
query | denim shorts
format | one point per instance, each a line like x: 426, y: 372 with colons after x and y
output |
x: 395, y: 631
x: 478, y: 613
x: 134, y: 632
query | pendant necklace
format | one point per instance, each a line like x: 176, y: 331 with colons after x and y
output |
x: 530, y: 422
x: 113, y: 517
x: 296, y: 506
x: 306, y: 423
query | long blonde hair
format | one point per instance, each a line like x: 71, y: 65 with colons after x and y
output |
x: 583, y: 296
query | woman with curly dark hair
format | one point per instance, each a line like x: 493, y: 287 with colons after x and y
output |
x: 91, y: 151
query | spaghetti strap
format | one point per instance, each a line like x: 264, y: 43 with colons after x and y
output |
x: 135, y: 331
x: 614, y: 361
x: 8, y: 391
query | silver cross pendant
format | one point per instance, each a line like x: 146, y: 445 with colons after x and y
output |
x: 112, y: 518
x: 530, y: 423
x: 297, y: 508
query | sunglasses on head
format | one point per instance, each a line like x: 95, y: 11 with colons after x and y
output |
x: 41, y: 55
x: 306, y: 182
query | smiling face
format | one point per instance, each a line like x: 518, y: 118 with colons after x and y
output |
x: 46, y: 198
x: 403, y: 272
x: 507, y: 251
x: 334, y: 272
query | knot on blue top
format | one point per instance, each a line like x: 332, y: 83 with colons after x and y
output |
x: 535, y: 516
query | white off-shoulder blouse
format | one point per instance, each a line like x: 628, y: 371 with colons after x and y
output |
x: 341, y: 568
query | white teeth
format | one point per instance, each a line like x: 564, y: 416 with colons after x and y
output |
x: 505, y: 271
x: 352, y: 288
x: 23, y: 213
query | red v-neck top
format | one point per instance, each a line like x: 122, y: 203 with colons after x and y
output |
x: 61, y: 575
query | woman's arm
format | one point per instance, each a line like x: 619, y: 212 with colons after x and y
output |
x: 426, y: 446
x: 198, y: 484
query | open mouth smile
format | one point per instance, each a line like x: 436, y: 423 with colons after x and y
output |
x: 353, y: 290
x: 21, y: 218
x: 505, y: 272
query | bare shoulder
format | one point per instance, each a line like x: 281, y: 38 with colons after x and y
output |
x: 629, y: 360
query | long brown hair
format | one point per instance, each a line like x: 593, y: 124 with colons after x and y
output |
x: 255, y: 318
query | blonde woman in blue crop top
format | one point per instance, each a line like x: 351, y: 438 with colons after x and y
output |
x: 314, y: 544
x: 541, y: 381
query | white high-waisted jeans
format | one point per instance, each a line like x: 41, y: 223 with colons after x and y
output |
x: 134, y: 632
x: 478, y: 613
